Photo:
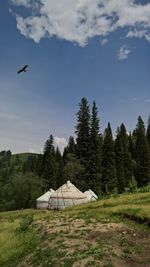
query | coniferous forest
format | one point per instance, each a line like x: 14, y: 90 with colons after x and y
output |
x: 106, y: 162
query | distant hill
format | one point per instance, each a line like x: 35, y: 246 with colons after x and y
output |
x: 8, y: 160
x: 22, y: 157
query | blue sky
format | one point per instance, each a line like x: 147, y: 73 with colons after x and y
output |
x: 74, y: 49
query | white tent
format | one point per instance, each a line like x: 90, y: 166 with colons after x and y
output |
x: 42, y: 201
x: 91, y: 196
x: 65, y: 196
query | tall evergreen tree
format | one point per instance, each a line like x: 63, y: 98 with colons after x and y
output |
x: 59, y: 168
x: 73, y: 170
x: 71, y: 145
x: 49, y: 163
x: 119, y: 155
x: 109, y: 179
x: 70, y: 148
x: 95, y: 155
x: 83, y: 139
x: 83, y: 131
x: 148, y: 131
x: 127, y: 155
x: 130, y: 144
x: 142, y: 155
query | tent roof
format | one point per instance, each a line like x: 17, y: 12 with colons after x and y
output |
x: 46, y: 196
x: 91, y: 194
x: 68, y: 191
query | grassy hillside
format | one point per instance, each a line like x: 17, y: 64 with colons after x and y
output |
x: 16, y: 160
x: 22, y: 157
x: 110, y: 232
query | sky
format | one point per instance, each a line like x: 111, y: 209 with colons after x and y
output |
x: 96, y: 49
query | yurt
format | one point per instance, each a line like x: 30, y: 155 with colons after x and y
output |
x: 42, y: 201
x: 91, y: 196
x: 65, y: 196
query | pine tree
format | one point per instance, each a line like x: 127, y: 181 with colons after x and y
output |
x: 95, y: 155
x: 71, y: 145
x: 127, y: 155
x: 142, y: 155
x: 83, y: 138
x: 49, y: 163
x: 109, y: 179
x: 73, y: 170
x: 83, y: 131
x: 59, y: 168
x: 119, y: 155
x: 131, y: 145
x: 70, y: 148
x: 148, y: 131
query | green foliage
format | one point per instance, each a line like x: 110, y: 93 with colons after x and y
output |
x: 119, y: 156
x: 143, y: 189
x: 133, y: 185
x: 94, y: 173
x: 52, y: 165
x: 126, y: 154
x: 142, y: 155
x: 15, y: 242
x: 94, y: 160
x: 83, y: 139
x: 25, y: 223
x: 109, y: 179
x: 21, y: 191
x: 73, y: 168
x: 59, y: 164
x: 70, y: 148
x: 148, y: 131
x: 123, y: 159
x: 83, y: 131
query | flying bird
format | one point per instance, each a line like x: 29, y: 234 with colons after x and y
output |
x: 23, y: 69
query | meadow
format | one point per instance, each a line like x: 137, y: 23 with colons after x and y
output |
x: 109, y: 232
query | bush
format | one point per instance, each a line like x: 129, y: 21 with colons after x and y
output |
x: 133, y: 185
x: 25, y: 223
x: 144, y: 189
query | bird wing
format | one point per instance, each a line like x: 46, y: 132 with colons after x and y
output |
x: 19, y: 70
x: 23, y: 69
x: 25, y: 66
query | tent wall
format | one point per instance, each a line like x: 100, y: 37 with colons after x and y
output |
x: 42, y: 201
x: 62, y: 203
x: 42, y: 204
x: 65, y: 196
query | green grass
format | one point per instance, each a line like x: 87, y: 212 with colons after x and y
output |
x: 46, y: 238
x: 138, y: 203
x: 14, y: 245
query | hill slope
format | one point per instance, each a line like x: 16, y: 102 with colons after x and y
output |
x: 94, y: 234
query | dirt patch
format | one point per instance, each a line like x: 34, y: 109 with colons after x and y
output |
x: 93, y: 244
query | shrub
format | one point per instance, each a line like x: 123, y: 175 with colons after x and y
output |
x: 25, y: 223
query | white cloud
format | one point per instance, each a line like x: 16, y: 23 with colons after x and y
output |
x: 8, y: 116
x: 60, y: 142
x: 139, y: 34
x: 25, y: 3
x: 104, y: 41
x: 79, y: 20
x: 123, y: 53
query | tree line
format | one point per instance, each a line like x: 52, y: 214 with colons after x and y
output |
x: 92, y: 159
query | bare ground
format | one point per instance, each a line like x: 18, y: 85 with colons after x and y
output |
x: 68, y: 242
